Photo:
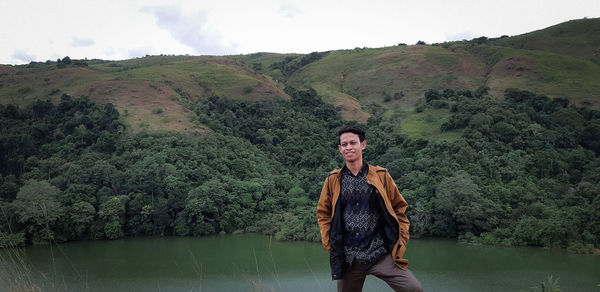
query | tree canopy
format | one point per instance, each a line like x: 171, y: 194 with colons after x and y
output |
x: 524, y: 171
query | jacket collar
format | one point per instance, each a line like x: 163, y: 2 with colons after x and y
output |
x: 365, y: 168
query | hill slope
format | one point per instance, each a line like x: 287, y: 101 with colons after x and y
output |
x: 151, y: 92
x: 576, y: 38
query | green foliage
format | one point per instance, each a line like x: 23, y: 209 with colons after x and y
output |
x: 291, y: 64
x: 520, y: 171
x: 109, y: 185
x: 549, y: 285
x: 9, y: 240
x: 523, y: 173
x: 37, y: 207
x: 580, y: 248
x: 248, y: 89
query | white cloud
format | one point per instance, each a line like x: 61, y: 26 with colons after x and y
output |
x: 189, y: 29
x: 289, y: 10
x: 117, y: 29
x: 81, y: 42
x: 141, y: 51
x: 465, y: 35
x: 22, y: 57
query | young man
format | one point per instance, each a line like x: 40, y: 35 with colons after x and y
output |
x: 362, y: 221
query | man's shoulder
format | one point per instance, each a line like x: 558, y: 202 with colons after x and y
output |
x: 377, y: 168
x: 335, y: 171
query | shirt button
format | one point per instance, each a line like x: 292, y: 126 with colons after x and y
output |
x: 356, y: 204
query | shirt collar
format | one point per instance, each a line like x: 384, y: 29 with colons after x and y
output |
x: 362, y: 172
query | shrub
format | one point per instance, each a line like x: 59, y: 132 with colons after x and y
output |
x: 11, y: 240
x: 581, y: 248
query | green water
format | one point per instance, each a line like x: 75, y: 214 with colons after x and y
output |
x: 257, y: 263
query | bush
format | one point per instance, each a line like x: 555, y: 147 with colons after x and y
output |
x: 11, y: 240
x: 113, y: 230
x: 581, y: 248
x: 439, y: 104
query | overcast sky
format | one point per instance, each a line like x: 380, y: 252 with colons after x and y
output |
x: 115, y: 30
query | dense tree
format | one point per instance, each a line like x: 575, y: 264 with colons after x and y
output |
x: 524, y: 170
x: 37, y: 207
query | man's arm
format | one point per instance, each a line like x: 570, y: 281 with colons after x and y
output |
x: 324, y: 214
x: 399, y: 205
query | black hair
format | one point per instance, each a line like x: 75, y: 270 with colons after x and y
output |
x: 352, y: 129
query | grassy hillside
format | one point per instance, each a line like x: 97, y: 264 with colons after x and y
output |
x: 539, y: 71
x: 262, y: 62
x: 391, y: 77
x: 576, y: 38
x: 151, y: 92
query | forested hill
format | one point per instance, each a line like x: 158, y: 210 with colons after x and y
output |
x: 192, y: 146
x: 151, y: 92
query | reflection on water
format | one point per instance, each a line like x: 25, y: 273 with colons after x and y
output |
x: 257, y: 263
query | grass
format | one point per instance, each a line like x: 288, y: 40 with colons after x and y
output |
x: 261, y: 63
x: 371, y: 75
x: 549, y: 285
x: 577, y: 38
x: 140, y: 85
x: 15, y: 271
x: 427, y: 124
x: 556, y: 61
x: 546, y: 73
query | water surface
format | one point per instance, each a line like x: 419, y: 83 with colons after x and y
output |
x: 257, y: 263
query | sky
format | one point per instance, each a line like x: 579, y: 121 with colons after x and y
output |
x: 115, y: 30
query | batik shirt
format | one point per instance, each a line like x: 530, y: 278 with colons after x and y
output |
x: 363, y: 242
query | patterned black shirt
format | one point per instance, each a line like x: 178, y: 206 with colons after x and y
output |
x: 363, y: 242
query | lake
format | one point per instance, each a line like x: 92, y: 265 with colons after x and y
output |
x: 259, y: 263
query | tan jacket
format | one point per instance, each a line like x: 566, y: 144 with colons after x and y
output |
x: 394, y: 204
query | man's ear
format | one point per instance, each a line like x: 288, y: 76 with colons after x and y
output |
x: 363, y: 144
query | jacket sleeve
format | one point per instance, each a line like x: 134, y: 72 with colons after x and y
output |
x: 399, y: 205
x: 324, y: 214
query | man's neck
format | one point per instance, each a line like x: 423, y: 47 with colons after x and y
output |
x: 354, y: 166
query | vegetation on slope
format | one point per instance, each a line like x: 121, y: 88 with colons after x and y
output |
x: 559, y: 61
x: 578, y: 38
x: 149, y: 92
x: 523, y: 171
x: 248, y: 156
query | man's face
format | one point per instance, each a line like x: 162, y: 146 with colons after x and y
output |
x: 351, y: 147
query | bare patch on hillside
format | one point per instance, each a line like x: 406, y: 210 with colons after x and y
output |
x: 469, y: 67
x: 7, y: 69
x: 516, y: 66
x: 144, y: 105
x: 516, y: 71
x: 350, y: 109
x: 348, y: 106
x: 67, y: 76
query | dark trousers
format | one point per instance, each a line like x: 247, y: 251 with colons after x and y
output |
x: 386, y: 270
